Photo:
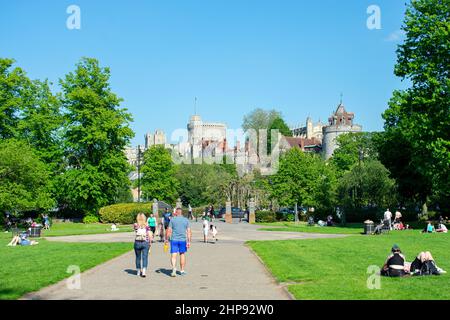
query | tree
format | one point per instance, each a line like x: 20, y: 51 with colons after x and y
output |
x: 303, y: 179
x: 421, y: 113
x: 97, y: 131
x: 367, y: 185
x: 40, y: 125
x: 158, y: 175
x: 202, y: 184
x: 14, y: 95
x: 350, y: 145
x: 260, y: 119
x: 283, y: 129
x: 24, y: 179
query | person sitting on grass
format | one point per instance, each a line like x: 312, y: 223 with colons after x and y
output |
x: 442, y: 228
x: 395, y: 264
x: 330, y: 221
x: 424, y: 265
x: 429, y: 228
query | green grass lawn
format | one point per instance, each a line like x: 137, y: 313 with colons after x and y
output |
x: 337, y: 268
x: 349, y: 228
x: 27, y: 269
x: 70, y: 228
x: 303, y: 227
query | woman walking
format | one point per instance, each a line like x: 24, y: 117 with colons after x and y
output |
x: 143, y: 238
x: 151, y: 221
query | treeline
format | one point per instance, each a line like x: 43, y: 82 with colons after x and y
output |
x: 62, y: 151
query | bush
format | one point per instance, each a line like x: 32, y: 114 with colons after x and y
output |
x: 124, y: 213
x: 265, y: 216
x: 90, y: 218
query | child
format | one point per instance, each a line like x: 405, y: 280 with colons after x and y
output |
x: 214, y: 232
x: 205, y: 229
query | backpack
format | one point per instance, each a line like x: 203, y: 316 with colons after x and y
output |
x: 141, y: 234
x: 429, y: 268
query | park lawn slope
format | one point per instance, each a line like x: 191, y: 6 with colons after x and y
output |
x: 302, y: 227
x: 75, y: 229
x: 30, y: 268
x: 336, y: 269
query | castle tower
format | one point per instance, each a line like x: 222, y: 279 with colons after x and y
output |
x: 149, y: 141
x: 340, y: 122
x: 309, y: 128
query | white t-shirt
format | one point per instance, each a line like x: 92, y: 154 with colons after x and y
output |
x: 387, y: 215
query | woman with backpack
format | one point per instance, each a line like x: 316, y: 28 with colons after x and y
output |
x: 424, y: 265
x: 142, y: 242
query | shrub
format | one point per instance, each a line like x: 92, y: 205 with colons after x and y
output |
x: 90, y: 218
x: 124, y: 213
x: 265, y: 216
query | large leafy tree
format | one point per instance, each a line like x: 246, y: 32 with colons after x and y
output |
x: 420, y: 115
x: 277, y: 124
x: 303, y: 179
x: 15, y: 94
x: 158, y: 175
x: 41, y: 124
x: 260, y: 119
x: 367, y: 185
x: 351, y: 147
x: 202, y: 184
x: 24, y: 178
x: 97, y: 131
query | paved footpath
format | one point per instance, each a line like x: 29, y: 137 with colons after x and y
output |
x: 223, y: 270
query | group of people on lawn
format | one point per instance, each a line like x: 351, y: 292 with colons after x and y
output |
x: 22, y: 239
x: 396, y: 265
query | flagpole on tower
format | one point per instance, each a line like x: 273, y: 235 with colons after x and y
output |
x: 195, y: 106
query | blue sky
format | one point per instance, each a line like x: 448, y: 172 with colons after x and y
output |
x: 234, y: 55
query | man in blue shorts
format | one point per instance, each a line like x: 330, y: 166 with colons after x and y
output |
x: 179, y: 233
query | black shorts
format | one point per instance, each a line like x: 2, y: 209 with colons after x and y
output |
x: 166, y: 225
x: 153, y: 229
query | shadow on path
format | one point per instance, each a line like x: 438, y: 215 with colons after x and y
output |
x: 131, y: 271
x: 165, y: 271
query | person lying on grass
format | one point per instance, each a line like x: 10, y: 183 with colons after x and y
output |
x: 22, y: 240
x: 396, y: 265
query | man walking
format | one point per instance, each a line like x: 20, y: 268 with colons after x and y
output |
x: 179, y: 233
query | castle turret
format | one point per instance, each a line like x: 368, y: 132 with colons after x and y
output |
x: 340, y: 122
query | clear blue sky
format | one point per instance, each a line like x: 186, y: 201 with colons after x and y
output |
x: 234, y: 55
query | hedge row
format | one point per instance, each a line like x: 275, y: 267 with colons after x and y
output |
x: 124, y: 213
x: 265, y: 216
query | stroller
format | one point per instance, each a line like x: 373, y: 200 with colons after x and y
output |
x: 311, y: 221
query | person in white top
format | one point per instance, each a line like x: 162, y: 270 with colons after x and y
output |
x: 205, y: 229
x: 442, y: 228
x: 214, y: 232
x: 388, y: 217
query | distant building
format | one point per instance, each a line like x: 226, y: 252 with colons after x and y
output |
x: 309, y: 131
x: 205, y: 139
x: 339, y: 123
x: 313, y: 145
x: 157, y: 138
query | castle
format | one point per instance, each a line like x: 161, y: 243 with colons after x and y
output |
x: 318, y: 137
